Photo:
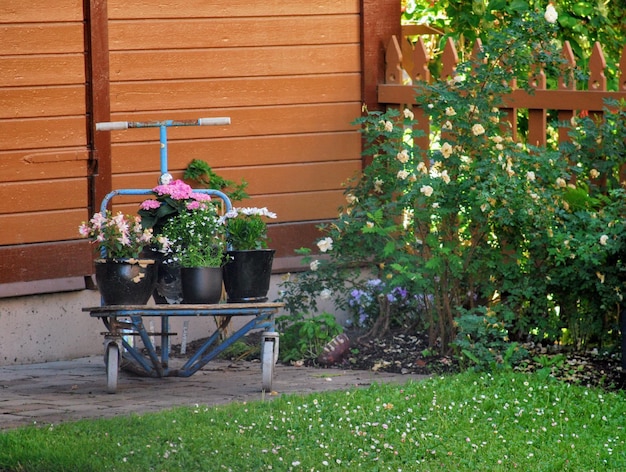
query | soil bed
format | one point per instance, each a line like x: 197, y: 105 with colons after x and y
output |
x: 399, y: 352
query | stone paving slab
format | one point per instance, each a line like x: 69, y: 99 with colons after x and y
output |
x: 56, y: 392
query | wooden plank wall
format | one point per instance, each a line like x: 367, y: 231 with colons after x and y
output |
x: 43, y: 135
x: 288, y: 74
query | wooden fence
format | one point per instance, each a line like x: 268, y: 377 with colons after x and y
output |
x: 407, y: 60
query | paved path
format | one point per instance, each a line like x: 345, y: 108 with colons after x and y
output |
x: 56, y: 392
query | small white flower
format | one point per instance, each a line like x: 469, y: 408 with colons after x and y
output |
x: 369, y: 224
x: 561, y: 183
x: 478, y: 129
x: 551, y: 15
x: 403, y: 156
x: 378, y: 185
x: 427, y: 190
x: 594, y: 174
x: 314, y: 265
x: 530, y: 175
x: 447, y: 125
x: 446, y: 150
x: 408, y: 114
x: 402, y: 174
x: 604, y: 239
x: 444, y: 176
x: 351, y: 199
x: 325, y: 244
x: 450, y: 111
x: 325, y: 294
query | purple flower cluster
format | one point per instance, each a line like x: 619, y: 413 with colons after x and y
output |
x: 364, y: 302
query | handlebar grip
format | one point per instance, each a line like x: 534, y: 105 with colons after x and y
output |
x: 213, y: 121
x: 111, y: 125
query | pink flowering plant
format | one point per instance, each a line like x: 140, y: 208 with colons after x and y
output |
x: 246, y: 228
x: 170, y: 200
x: 118, y: 236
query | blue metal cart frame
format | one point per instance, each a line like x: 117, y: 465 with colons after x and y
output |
x: 125, y: 321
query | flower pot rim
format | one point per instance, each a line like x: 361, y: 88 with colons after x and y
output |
x: 251, y: 250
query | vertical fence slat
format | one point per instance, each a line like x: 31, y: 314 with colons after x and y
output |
x: 449, y: 60
x: 393, y: 62
x: 622, y: 71
x: 420, y: 71
x: 597, y: 65
x: 538, y: 117
x: 566, y: 82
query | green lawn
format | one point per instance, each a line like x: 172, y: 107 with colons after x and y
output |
x: 466, y: 422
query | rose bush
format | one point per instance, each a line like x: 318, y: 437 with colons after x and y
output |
x: 479, y: 228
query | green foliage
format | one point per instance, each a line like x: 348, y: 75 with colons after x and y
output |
x: 479, y: 223
x: 201, y: 172
x: 246, y: 228
x: 582, y: 23
x: 304, y: 338
x: 483, y: 341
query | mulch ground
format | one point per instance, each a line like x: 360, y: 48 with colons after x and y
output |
x: 399, y: 352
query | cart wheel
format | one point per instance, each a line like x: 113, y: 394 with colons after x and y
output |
x: 268, y: 364
x: 112, y: 366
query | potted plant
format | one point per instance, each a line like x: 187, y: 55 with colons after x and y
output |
x: 169, y: 200
x: 123, y: 276
x: 249, y: 262
x: 196, y: 242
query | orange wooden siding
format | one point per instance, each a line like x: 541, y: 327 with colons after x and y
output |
x: 43, y: 124
x: 287, y: 74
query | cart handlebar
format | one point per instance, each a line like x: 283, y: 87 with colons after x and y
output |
x: 121, y: 125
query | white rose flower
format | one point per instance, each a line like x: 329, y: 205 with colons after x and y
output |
x: 378, y: 185
x: 325, y: 244
x: 530, y: 175
x: 427, y: 190
x: 314, y: 265
x: 402, y: 174
x: 478, y: 129
x: 561, y: 183
x: 403, y: 156
x: 388, y: 126
x: 446, y: 150
x: 551, y: 15
x: 408, y: 114
x: 325, y: 294
x: 445, y: 177
x: 594, y: 174
x: 450, y: 111
x: 604, y: 239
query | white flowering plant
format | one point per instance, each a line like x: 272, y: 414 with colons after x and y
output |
x: 475, y: 225
x: 246, y: 228
x: 195, y: 236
